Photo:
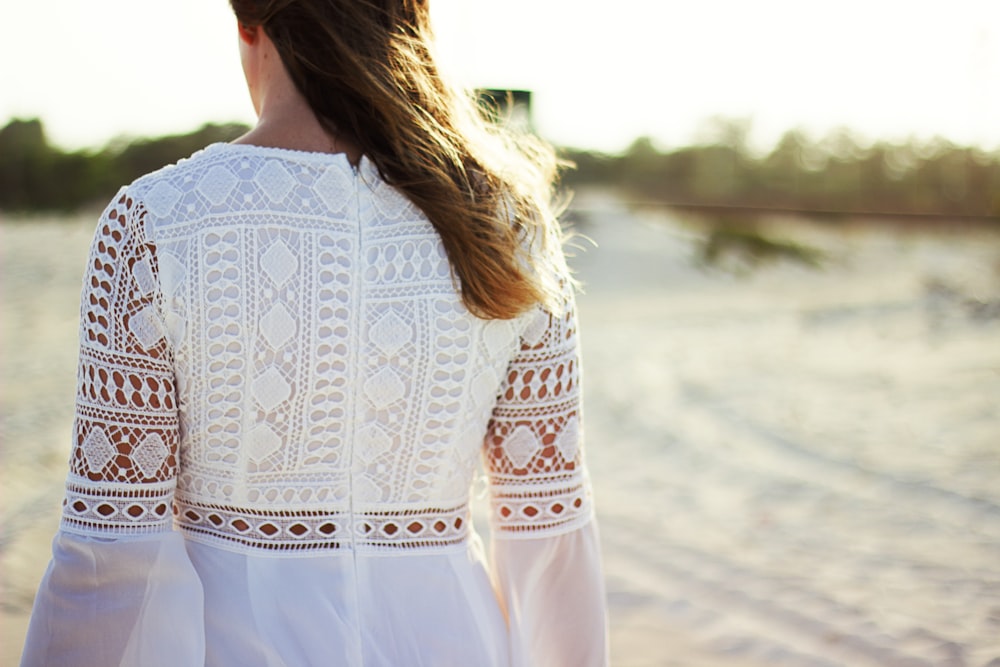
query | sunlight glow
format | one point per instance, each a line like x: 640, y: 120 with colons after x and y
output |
x: 602, y: 74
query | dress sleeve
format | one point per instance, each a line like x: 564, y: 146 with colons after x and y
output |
x: 545, y: 550
x: 120, y: 589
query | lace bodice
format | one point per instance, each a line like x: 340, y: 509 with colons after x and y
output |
x: 282, y: 403
x: 275, y: 357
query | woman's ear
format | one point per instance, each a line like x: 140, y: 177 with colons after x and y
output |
x: 248, y: 33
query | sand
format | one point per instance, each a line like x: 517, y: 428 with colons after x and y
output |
x: 793, y: 466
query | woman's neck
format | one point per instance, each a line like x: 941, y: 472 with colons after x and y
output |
x: 284, y: 117
x: 296, y: 127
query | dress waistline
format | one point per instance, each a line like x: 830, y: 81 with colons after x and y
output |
x: 425, y: 528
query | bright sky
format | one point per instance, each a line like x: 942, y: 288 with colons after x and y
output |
x: 603, y: 73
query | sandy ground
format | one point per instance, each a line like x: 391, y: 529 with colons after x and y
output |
x: 794, y: 467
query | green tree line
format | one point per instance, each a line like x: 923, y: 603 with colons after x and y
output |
x: 37, y: 176
x: 837, y: 175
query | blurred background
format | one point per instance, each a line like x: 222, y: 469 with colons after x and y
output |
x: 787, y: 222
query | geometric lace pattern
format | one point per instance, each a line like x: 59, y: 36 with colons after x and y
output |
x: 298, y: 531
x: 533, y: 445
x: 126, y: 432
x: 274, y: 357
x: 127, y: 509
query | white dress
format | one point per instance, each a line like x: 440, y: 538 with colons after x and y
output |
x: 282, y: 403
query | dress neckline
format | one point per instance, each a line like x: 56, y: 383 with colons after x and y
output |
x: 292, y: 154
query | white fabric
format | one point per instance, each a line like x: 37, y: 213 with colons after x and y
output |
x: 281, y: 406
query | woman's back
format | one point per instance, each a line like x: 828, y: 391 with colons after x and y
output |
x: 317, y: 336
x: 275, y: 346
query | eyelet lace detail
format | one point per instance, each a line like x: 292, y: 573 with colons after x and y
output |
x: 126, y: 509
x: 297, y: 531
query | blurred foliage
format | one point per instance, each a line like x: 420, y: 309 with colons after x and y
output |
x: 835, y: 176
x: 36, y: 176
x: 726, y: 238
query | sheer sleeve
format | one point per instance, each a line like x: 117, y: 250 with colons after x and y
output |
x: 545, y: 547
x: 120, y: 588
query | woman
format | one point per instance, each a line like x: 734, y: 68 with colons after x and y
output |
x: 295, y: 349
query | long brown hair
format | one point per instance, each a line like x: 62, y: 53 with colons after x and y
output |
x: 367, y: 70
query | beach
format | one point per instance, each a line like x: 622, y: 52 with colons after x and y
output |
x: 793, y: 465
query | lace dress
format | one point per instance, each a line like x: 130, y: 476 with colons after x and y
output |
x: 281, y: 407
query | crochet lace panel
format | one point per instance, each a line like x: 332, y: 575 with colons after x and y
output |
x: 126, y: 429
x: 274, y: 356
x: 533, y: 451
